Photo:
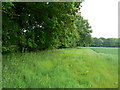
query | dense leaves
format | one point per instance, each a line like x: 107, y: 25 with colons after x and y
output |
x: 84, y: 30
x: 46, y: 25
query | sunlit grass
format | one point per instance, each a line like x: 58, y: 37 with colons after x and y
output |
x: 62, y: 68
x: 105, y: 50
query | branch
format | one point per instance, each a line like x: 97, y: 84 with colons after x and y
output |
x: 9, y: 13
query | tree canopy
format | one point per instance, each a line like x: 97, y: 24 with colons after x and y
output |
x: 106, y: 42
x: 29, y: 26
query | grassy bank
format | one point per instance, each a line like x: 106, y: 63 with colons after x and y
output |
x: 63, y: 68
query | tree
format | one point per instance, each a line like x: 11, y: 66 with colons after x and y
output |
x: 45, y: 25
x: 84, y: 31
x: 105, y: 42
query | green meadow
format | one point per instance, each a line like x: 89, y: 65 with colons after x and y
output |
x: 82, y: 67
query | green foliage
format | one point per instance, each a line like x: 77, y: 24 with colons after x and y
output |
x: 62, y: 68
x: 45, y: 25
x: 105, y: 42
x: 7, y: 5
x: 10, y: 36
x: 84, y: 31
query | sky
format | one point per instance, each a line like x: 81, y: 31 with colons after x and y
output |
x: 102, y: 16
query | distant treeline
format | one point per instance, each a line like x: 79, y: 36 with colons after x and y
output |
x: 106, y: 42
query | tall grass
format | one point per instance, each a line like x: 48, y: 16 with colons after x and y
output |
x: 62, y: 68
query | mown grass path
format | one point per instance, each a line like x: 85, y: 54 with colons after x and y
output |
x: 61, y: 68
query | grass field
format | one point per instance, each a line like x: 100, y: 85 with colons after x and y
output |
x: 62, y: 68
